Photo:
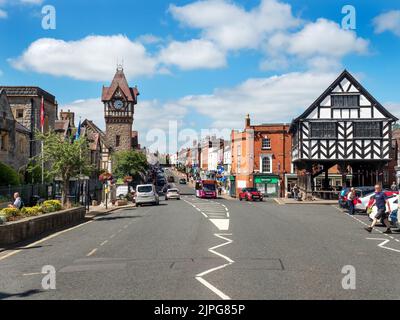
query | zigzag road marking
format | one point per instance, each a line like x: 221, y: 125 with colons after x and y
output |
x: 200, y: 276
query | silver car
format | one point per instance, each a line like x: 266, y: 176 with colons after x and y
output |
x: 172, y: 193
x: 146, y: 194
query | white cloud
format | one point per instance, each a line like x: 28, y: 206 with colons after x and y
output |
x: 193, y: 54
x: 321, y: 45
x: 36, y: 2
x: 3, y: 14
x: 231, y: 26
x: 91, y: 58
x: 277, y: 98
x: 389, y: 21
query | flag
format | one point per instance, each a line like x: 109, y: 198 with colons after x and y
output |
x: 78, y: 131
x: 42, y: 114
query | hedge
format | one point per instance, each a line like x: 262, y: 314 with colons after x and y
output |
x: 8, y: 176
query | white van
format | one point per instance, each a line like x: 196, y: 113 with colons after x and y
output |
x: 146, y: 194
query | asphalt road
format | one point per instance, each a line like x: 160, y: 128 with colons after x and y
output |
x: 198, y: 249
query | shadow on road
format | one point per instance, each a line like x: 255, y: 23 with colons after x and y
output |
x: 117, y: 218
x: 25, y: 294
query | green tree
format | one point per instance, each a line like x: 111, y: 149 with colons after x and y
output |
x: 8, y: 176
x: 129, y: 163
x: 65, y: 158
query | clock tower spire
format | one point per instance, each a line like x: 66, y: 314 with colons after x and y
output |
x: 119, y: 102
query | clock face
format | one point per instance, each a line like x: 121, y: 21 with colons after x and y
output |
x: 118, y: 104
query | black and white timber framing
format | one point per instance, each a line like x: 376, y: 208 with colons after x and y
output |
x: 345, y: 126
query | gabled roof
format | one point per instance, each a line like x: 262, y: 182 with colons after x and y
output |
x: 120, y: 82
x: 96, y: 129
x: 361, y: 89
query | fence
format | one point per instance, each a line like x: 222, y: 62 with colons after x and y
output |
x: 79, y: 192
x: 29, y: 192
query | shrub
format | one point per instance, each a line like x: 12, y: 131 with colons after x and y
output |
x: 8, y: 176
x: 48, y: 208
x: 10, y: 214
x: 31, y: 212
x: 53, y: 203
x: 3, y: 219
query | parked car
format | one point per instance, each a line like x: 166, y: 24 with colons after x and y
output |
x: 182, y: 181
x: 362, y: 203
x: 146, y: 194
x: 392, y: 209
x: 360, y: 193
x: 122, y: 191
x: 172, y: 194
x: 250, y: 194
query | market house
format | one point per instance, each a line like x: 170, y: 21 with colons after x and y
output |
x: 347, y: 128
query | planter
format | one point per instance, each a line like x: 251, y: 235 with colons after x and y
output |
x: 14, y: 232
x: 121, y: 203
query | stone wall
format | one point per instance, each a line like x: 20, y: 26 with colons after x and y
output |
x: 30, y: 228
x: 124, y: 130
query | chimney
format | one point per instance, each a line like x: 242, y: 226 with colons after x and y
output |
x: 247, y: 122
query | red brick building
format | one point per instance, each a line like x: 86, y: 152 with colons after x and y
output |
x: 261, y: 156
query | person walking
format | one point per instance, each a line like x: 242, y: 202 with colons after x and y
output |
x: 380, y: 200
x: 351, y: 196
x: 295, y: 191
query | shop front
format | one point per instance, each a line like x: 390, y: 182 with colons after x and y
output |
x: 268, y: 185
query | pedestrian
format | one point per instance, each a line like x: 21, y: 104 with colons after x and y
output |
x: 351, y: 196
x: 394, y: 186
x: 295, y: 191
x: 17, y: 204
x: 380, y: 200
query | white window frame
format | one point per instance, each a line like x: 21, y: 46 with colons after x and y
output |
x: 262, y: 157
x: 262, y: 143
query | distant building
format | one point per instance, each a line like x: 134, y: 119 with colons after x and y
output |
x: 14, y: 137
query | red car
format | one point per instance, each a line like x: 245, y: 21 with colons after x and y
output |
x: 250, y: 194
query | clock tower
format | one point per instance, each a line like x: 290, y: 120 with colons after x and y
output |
x: 119, y: 102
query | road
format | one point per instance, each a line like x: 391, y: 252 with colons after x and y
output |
x: 218, y: 249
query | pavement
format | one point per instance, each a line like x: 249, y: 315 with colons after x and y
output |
x: 210, y: 249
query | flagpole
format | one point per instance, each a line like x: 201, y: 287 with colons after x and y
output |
x: 42, y: 125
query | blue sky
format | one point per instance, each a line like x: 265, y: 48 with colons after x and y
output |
x: 205, y: 64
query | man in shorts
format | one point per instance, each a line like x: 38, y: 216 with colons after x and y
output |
x: 380, y: 200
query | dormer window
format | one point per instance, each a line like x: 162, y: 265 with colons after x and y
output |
x: 345, y: 101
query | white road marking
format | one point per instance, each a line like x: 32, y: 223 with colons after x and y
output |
x: 31, y: 274
x: 221, y: 224
x: 43, y: 240
x: 103, y: 243
x: 382, y: 244
x: 200, y: 276
x: 91, y: 252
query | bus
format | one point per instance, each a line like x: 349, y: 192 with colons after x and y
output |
x: 206, y: 189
